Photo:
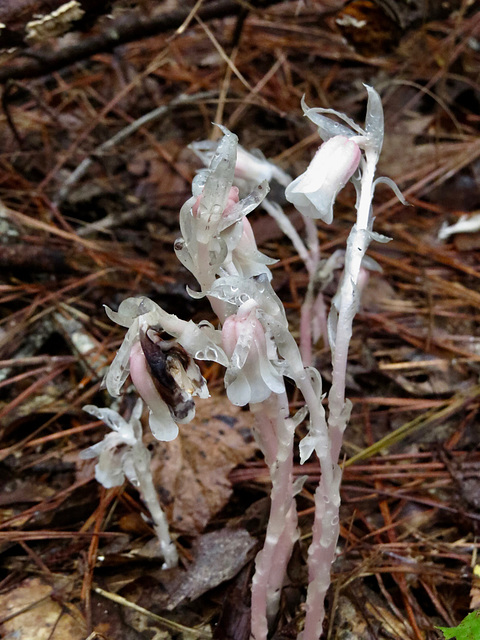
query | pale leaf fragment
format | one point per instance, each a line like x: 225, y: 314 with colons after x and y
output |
x: 39, y: 615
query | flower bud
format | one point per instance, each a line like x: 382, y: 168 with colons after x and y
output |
x: 253, y: 169
x: 251, y: 376
x: 314, y: 192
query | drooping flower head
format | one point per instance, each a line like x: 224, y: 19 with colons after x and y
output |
x: 314, y: 192
x: 256, y: 338
x: 251, y: 375
x: 346, y: 147
x: 163, y: 371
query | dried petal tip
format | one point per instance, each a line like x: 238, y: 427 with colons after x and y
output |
x: 314, y: 192
x: 175, y: 374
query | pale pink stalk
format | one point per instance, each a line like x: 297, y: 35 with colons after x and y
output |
x: 319, y: 320
x: 344, y: 307
x: 252, y: 377
x: 306, y: 337
x: 274, y: 433
x: 321, y: 552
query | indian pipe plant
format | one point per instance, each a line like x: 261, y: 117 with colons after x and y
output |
x: 253, y: 342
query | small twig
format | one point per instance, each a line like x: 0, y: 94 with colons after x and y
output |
x: 424, y: 420
x: 124, y: 133
x: 170, y: 624
x: 6, y: 110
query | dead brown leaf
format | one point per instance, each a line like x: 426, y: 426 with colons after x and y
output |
x: 219, y: 556
x: 191, y: 473
x: 29, y: 611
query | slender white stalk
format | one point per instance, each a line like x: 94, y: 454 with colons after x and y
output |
x: 122, y: 454
x: 141, y: 461
x: 357, y: 245
x: 327, y: 496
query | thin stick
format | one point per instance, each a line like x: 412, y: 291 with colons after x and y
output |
x: 124, y: 133
x: 170, y: 624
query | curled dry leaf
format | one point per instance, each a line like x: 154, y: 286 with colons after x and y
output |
x: 191, y: 472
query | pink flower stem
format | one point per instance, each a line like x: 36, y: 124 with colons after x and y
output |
x: 306, y: 339
x: 321, y: 553
x: 313, y: 324
x: 313, y: 316
x: 274, y: 433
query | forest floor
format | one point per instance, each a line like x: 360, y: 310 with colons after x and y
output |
x: 90, y: 196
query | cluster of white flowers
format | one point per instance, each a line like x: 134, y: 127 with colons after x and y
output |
x: 159, y: 349
x: 253, y: 342
x: 122, y: 454
x: 219, y: 248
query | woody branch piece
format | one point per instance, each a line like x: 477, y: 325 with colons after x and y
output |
x: 25, y: 22
x: 127, y: 28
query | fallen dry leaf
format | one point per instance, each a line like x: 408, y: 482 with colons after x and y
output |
x: 218, y: 556
x: 39, y: 616
x: 191, y: 472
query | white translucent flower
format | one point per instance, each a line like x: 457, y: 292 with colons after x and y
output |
x: 163, y: 371
x: 252, y: 375
x: 116, y: 451
x: 251, y: 168
x: 122, y: 454
x: 213, y: 222
x: 254, y: 167
x: 314, y: 192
